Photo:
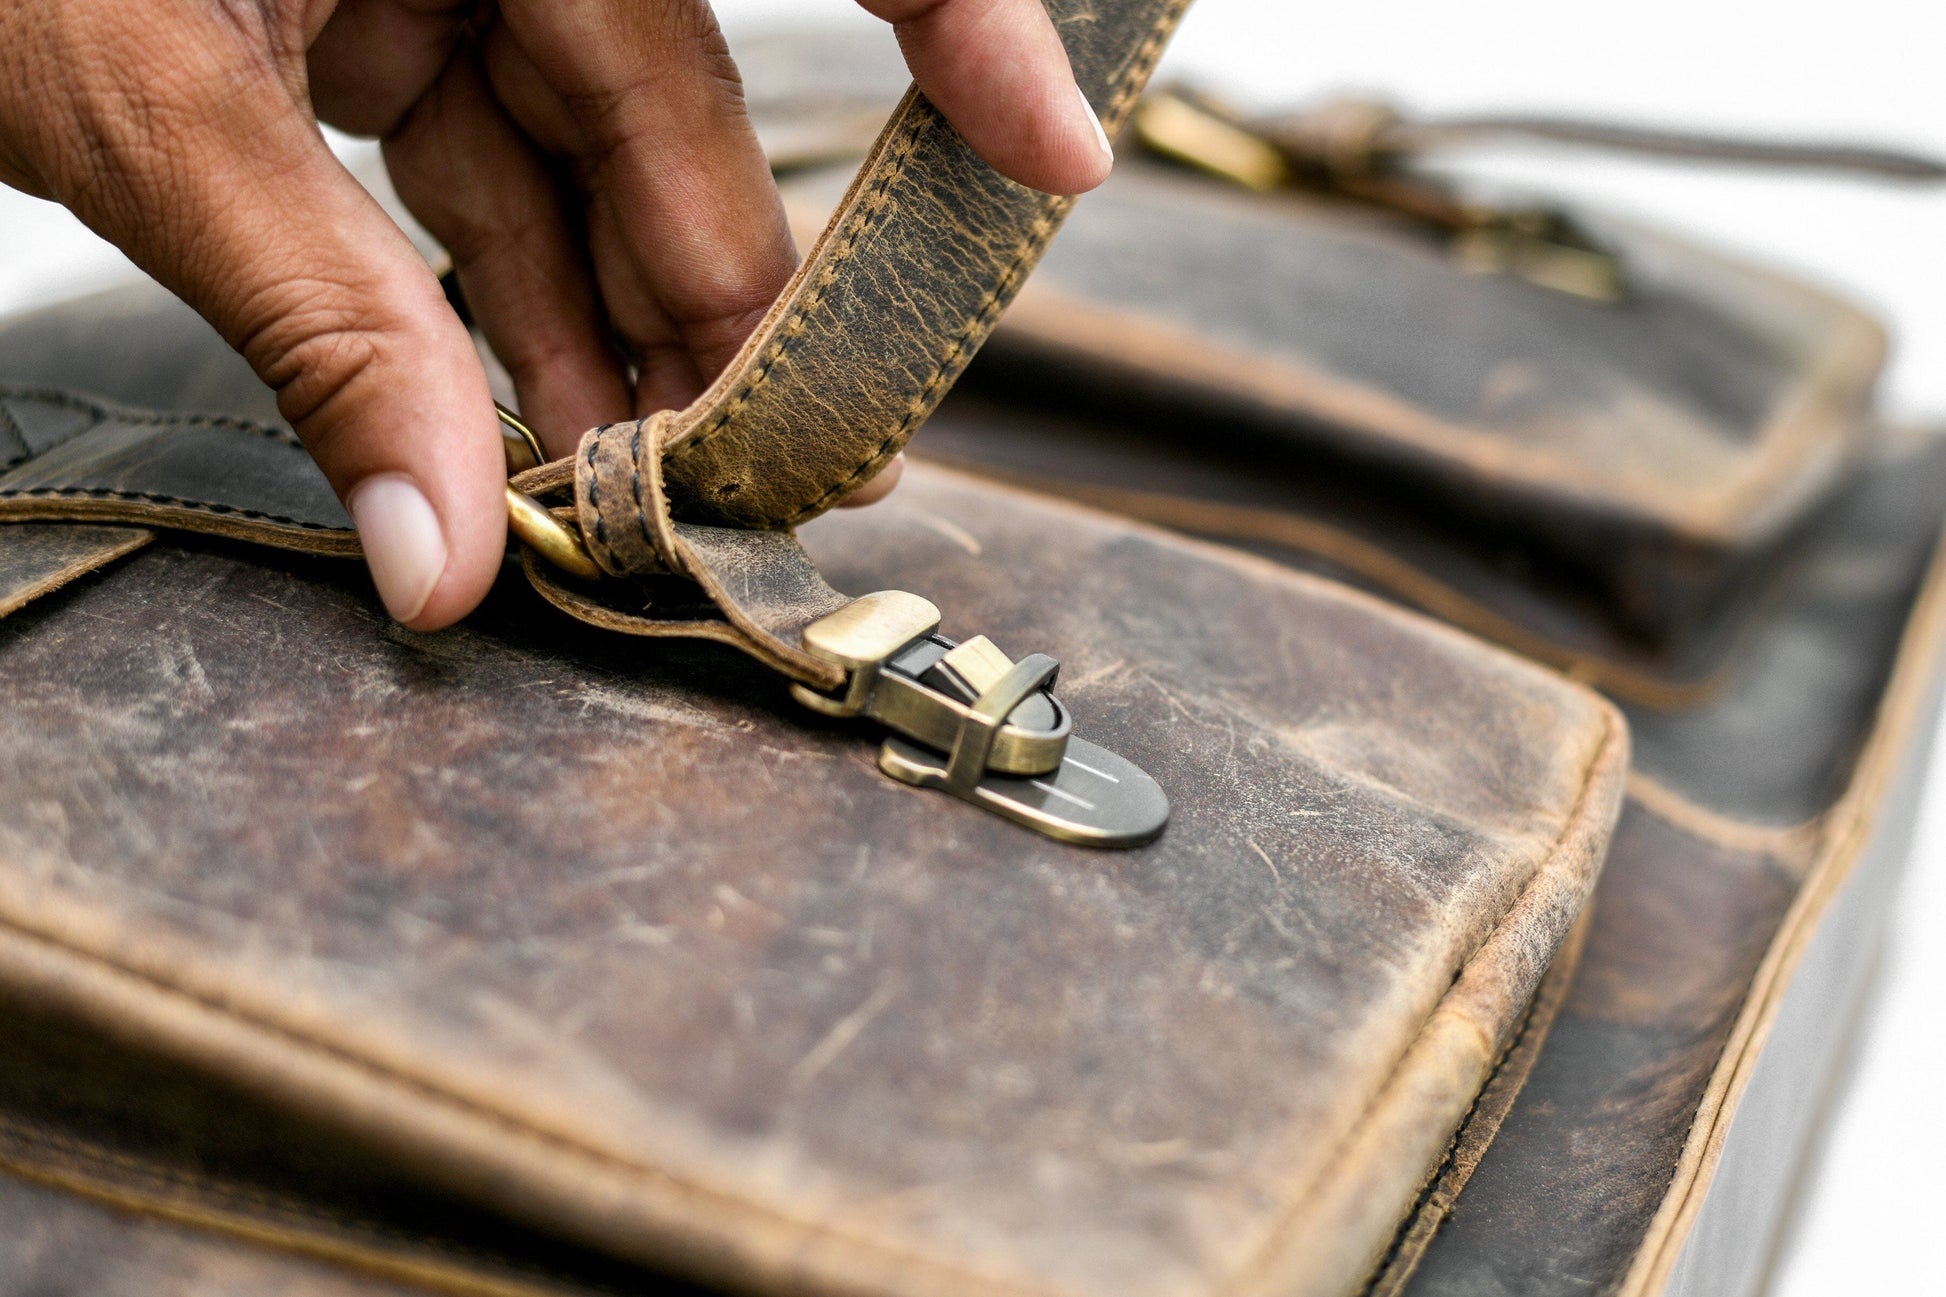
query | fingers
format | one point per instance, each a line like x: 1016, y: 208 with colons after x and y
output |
x: 878, y: 487
x: 482, y: 190
x: 373, y: 59
x: 998, y: 71
x: 211, y: 177
x: 686, y: 230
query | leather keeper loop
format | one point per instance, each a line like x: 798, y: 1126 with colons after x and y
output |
x: 619, y: 497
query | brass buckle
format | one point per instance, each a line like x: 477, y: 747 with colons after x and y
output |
x: 969, y: 721
x: 527, y: 518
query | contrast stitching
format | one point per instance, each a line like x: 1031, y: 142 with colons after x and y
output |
x: 148, y: 418
x: 1031, y: 244
x: 173, y: 501
x: 982, y: 320
x: 872, y: 209
x: 594, y: 503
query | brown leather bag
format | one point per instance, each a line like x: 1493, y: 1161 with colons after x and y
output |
x: 1779, y: 668
x: 591, y: 952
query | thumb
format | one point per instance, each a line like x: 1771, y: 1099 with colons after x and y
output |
x: 245, y: 214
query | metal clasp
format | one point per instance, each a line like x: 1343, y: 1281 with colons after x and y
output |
x: 970, y: 721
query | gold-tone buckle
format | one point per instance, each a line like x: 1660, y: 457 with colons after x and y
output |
x: 530, y: 520
x: 969, y: 721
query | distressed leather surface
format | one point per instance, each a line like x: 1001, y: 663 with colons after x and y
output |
x: 1657, y: 443
x: 1629, y: 1125
x: 495, y: 883
x: 1763, y: 755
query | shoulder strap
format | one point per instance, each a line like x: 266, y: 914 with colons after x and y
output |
x: 923, y: 254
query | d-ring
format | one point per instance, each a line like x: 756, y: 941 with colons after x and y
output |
x: 527, y: 517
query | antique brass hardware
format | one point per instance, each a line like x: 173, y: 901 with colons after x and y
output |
x: 1351, y: 150
x: 527, y: 518
x: 969, y: 721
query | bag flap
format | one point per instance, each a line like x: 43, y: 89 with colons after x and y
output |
x: 610, y: 940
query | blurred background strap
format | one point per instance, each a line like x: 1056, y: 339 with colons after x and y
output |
x: 1864, y: 73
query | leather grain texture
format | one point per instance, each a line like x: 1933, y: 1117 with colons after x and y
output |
x: 831, y: 1032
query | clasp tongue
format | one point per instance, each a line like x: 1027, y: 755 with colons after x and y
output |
x: 972, y: 722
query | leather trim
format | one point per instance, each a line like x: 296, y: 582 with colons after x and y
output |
x: 1846, y: 829
x: 1483, y: 1121
x: 1796, y: 453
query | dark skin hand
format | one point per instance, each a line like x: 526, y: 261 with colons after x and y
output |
x: 588, y: 164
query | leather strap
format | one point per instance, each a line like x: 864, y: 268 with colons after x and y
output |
x: 1361, y: 137
x: 919, y: 260
x: 72, y: 459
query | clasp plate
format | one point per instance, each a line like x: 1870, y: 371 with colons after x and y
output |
x: 971, y: 722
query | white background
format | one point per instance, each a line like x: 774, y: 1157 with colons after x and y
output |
x: 1862, y: 68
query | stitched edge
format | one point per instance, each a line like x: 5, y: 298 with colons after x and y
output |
x: 1852, y: 821
x: 105, y: 411
x: 1030, y: 246
x: 1544, y: 1008
x: 168, y: 501
x: 981, y: 322
x: 605, y: 553
x: 1244, y: 1278
x: 872, y: 208
x: 875, y: 203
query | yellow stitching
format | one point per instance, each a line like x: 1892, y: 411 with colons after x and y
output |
x: 875, y: 202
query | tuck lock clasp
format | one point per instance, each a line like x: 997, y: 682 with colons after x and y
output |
x: 968, y: 720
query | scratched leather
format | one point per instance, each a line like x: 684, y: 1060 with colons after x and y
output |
x: 622, y: 897
x: 1794, y: 689
x: 1563, y: 1199
x: 1658, y: 442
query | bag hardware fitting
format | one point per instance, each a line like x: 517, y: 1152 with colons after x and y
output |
x: 965, y: 718
x: 968, y: 721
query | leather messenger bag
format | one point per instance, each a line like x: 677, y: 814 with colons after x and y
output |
x: 1661, y: 473
x: 680, y: 921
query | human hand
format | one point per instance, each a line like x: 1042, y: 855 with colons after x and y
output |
x: 587, y: 163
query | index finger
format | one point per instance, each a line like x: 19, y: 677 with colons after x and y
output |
x: 998, y: 71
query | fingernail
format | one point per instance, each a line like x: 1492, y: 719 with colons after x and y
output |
x: 1101, y: 136
x: 404, y: 546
